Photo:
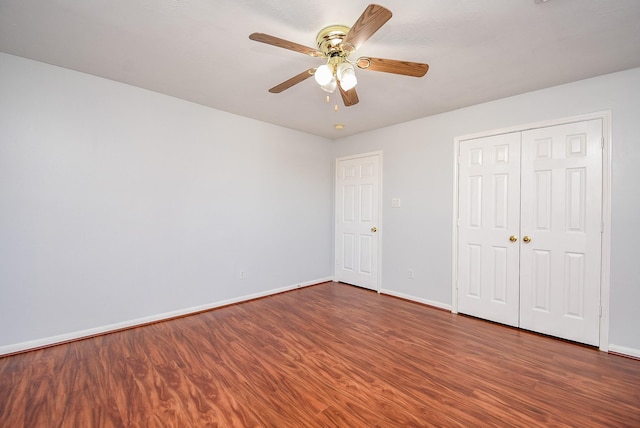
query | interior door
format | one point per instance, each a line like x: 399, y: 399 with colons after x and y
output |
x: 560, y: 258
x: 488, y: 227
x: 357, y: 216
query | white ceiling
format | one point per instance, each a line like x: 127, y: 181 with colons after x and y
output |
x: 199, y: 50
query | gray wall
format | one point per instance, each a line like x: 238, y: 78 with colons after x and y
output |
x: 418, y: 168
x: 120, y: 204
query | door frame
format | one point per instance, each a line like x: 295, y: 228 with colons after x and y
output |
x: 605, y: 275
x: 378, y: 256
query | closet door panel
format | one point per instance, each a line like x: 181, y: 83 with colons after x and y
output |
x: 488, y: 202
x: 561, y: 194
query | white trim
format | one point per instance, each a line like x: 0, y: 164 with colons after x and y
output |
x: 433, y: 303
x: 536, y: 125
x: 76, y: 335
x: 605, y: 276
x: 380, y: 204
x: 359, y: 155
x: 605, y: 268
x: 624, y: 350
x: 454, y: 233
x: 306, y: 284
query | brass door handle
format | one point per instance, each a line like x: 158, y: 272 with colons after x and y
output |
x: 513, y: 238
x: 527, y: 239
x: 374, y: 229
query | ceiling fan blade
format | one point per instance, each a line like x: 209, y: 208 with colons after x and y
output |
x: 373, y: 17
x: 349, y: 97
x: 286, y: 44
x: 293, y: 81
x: 407, y: 68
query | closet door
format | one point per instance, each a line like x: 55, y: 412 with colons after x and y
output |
x: 560, y: 256
x: 488, y: 207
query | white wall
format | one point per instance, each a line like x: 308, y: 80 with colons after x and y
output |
x: 118, y: 205
x: 418, y: 169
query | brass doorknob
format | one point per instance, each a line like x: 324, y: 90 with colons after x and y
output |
x: 374, y: 229
x: 513, y: 238
x: 527, y: 239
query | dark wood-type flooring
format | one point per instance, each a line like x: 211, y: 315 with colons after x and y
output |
x: 321, y: 356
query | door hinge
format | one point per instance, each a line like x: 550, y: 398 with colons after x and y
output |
x: 602, y: 143
x: 600, y: 311
x: 602, y: 227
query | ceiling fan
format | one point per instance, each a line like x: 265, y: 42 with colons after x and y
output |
x: 335, y: 44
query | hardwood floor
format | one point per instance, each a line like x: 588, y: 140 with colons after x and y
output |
x: 327, y: 355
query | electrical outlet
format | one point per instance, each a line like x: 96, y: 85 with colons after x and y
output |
x: 241, y: 275
x: 410, y: 274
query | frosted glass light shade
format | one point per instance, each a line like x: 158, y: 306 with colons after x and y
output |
x: 347, y: 76
x: 323, y: 75
x: 331, y: 86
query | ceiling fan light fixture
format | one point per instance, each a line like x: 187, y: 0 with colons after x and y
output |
x: 347, y: 76
x: 335, y: 44
x: 331, y: 86
x: 323, y: 75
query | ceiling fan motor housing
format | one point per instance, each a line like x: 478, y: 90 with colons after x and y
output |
x: 330, y: 41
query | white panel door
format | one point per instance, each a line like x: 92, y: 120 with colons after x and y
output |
x: 357, y: 186
x: 561, y: 219
x: 489, y: 214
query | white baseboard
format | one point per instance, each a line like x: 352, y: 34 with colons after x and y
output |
x: 631, y: 352
x: 416, y: 299
x: 76, y: 335
x: 315, y: 282
x: 624, y: 350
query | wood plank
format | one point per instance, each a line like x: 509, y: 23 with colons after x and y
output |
x: 327, y: 355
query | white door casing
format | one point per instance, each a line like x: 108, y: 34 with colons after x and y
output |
x: 561, y: 213
x: 357, y: 233
x: 489, y: 213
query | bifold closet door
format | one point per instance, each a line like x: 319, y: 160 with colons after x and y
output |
x: 529, y: 229
x: 561, y: 181
x: 488, y: 227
